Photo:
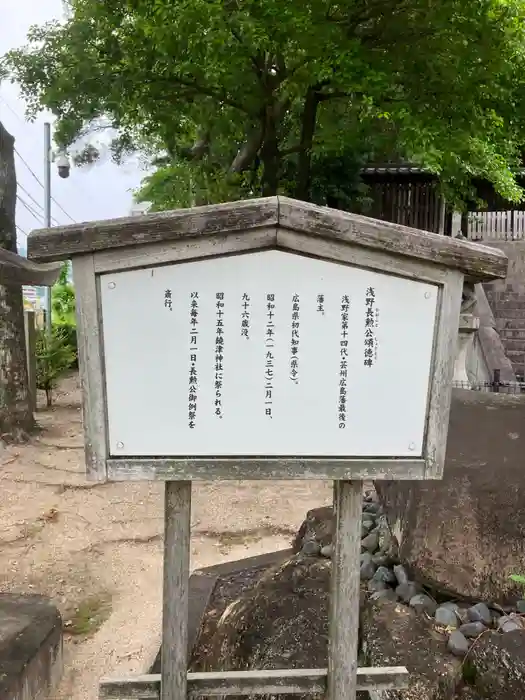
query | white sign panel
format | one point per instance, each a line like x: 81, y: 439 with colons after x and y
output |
x: 266, y: 354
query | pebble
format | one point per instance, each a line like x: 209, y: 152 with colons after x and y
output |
x: 446, y: 615
x: 311, y: 548
x: 423, y: 603
x: 472, y: 629
x: 386, y: 594
x: 374, y: 585
x: 368, y: 568
x: 372, y: 508
x: 480, y: 613
x: 381, y: 560
x: 370, y: 542
x: 400, y: 574
x: 509, y: 624
x: 384, y: 574
x: 458, y: 644
x: 327, y: 550
x: 406, y: 591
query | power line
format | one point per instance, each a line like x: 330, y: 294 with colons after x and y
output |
x: 30, y: 209
x: 30, y: 196
x: 22, y: 121
x: 21, y: 230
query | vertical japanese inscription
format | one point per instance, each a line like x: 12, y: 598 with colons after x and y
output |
x: 219, y: 351
x: 320, y: 304
x: 193, y: 378
x: 343, y: 361
x: 168, y: 300
x: 269, y: 345
x: 294, y: 345
x: 371, y: 322
x: 245, y: 316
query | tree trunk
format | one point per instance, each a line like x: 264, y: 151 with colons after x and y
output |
x: 270, y: 157
x: 16, y: 417
x: 309, y: 121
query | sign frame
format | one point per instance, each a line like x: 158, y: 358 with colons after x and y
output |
x: 254, y: 225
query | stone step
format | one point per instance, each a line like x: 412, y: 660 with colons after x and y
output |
x: 509, y: 313
x: 517, y: 357
x: 505, y: 296
x: 513, y: 344
x: 512, y: 323
x: 513, y: 334
x: 509, y: 308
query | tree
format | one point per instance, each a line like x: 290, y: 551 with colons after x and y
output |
x: 240, y: 97
x: 16, y: 417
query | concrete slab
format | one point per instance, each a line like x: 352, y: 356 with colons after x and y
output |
x: 30, y: 647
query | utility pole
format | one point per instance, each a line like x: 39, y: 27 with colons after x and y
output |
x: 47, y: 208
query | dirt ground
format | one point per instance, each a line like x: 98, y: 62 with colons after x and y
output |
x: 96, y: 549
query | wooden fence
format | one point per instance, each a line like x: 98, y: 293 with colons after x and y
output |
x: 496, y: 226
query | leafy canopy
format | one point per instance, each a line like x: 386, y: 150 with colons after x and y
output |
x: 243, y: 97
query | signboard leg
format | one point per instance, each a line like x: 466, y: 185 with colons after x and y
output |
x: 344, y: 608
x: 177, y: 526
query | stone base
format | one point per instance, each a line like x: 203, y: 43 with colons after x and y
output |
x: 204, y: 583
x: 30, y: 647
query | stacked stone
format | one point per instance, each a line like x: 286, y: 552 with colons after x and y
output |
x: 386, y: 579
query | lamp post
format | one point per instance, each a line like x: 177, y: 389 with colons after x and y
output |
x: 63, y: 167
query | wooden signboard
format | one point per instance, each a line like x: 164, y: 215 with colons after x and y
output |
x: 266, y: 339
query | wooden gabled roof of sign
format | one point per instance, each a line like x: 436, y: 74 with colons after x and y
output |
x: 477, y: 262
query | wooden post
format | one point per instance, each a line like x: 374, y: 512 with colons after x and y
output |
x: 344, y: 607
x: 30, y: 335
x: 177, y: 528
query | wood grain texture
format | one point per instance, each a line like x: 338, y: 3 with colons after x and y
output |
x: 90, y: 364
x: 206, y: 469
x: 289, y: 681
x: 118, y: 259
x: 344, y: 600
x: 479, y: 263
x: 17, y: 271
x: 476, y: 261
x: 445, y: 353
x: 177, y: 531
x: 63, y: 242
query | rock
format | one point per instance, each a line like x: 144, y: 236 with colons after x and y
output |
x: 327, y: 550
x: 446, y: 615
x: 395, y: 635
x: 380, y: 559
x: 373, y: 508
x: 458, y: 644
x: 387, y: 594
x: 423, y: 603
x: 368, y: 568
x: 318, y: 525
x: 520, y: 606
x: 311, y: 548
x: 384, y: 574
x: 506, y: 623
x: 480, y: 612
x: 281, y: 622
x: 373, y: 586
x: 406, y: 591
x: 472, y: 629
x: 400, y: 574
x: 498, y: 661
x: 370, y: 542
x: 465, y: 534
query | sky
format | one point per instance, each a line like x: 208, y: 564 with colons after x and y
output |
x: 103, y: 191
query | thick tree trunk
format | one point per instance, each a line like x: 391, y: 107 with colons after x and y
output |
x: 16, y: 418
x: 309, y: 121
x: 270, y: 156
